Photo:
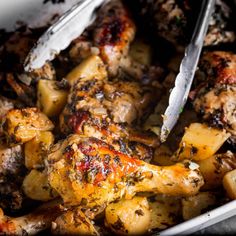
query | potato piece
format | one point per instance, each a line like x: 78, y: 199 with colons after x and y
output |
x: 200, y: 142
x: 36, y: 149
x: 128, y: 217
x: 214, y: 168
x: 195, y: 205
x: 21, y: 125
x: 36, y: 186
x: 73, y: 222
x: 162, y: 156
x: 51, y: 99
x: 141, y: 52
x: 229, y: 183
x: 92, y: 67
x: 165, y: 211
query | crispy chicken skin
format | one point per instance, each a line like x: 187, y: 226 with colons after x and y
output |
x: 108, y: 110
x: 113, y: 34
x: 219, y: 67
x: 90, y: 172
x: 109, y: 37
x: 215, y: 98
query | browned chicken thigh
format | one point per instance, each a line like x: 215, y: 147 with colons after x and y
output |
x: 215, y: 98
x: 108, y: 109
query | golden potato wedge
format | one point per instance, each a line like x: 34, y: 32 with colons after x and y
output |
x: 214, y: 168
x: 36, y: 186
x: 165, y: 212
x: 36, y: 149
x: 73, y: 222
x: 128, y: 217
x: 200, y: 142
x: 51, y: 98
x: 21, y: 125
x: 91, y: 67
x: 141, y: 52
x: 195, y: 205
x: 229, y: 183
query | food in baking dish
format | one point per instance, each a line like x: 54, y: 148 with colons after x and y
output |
x: 80, y: 151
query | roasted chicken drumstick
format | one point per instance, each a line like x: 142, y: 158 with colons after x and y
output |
x: 109, y: 37
x: 89, y: 172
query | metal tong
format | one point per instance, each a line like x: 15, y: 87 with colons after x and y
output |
x: 179, y: 94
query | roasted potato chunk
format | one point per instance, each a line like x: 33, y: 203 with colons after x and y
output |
x: 195, y: 205
x: 229, y: 183
x: 21, y: 125
x: 129, y: 217
x: 141, y: 52
x: 214, y: 168
x: 200, y: 142
x: 36, y: 186
x: 165, y: 211
x: 92, y: 67
x: 51, y: 98
x: 36, y: 149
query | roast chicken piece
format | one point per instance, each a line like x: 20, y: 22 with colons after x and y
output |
x: 31, y: 224
x: 109, y: 37
x: 11, y: 160
x: 215, y: 97
x: 113, y: 33
x: 168, y: 18
x: 174, y: 21
x: 74, y: 222
x: 221, y: 27
x: 12, y: 170
x: 90, y: 172
x: 108, y: 109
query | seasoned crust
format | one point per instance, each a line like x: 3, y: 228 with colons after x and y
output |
x: 215, y: 98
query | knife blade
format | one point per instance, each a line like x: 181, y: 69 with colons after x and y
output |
x: 69, y: 26
x: 179, y: 94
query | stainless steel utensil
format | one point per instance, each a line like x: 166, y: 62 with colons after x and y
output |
x: 183, y: 81
x: 59, y: 35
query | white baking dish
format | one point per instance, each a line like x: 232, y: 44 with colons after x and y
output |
x: 36, y: 13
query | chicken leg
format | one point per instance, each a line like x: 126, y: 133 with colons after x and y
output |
x: 90, y: 172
